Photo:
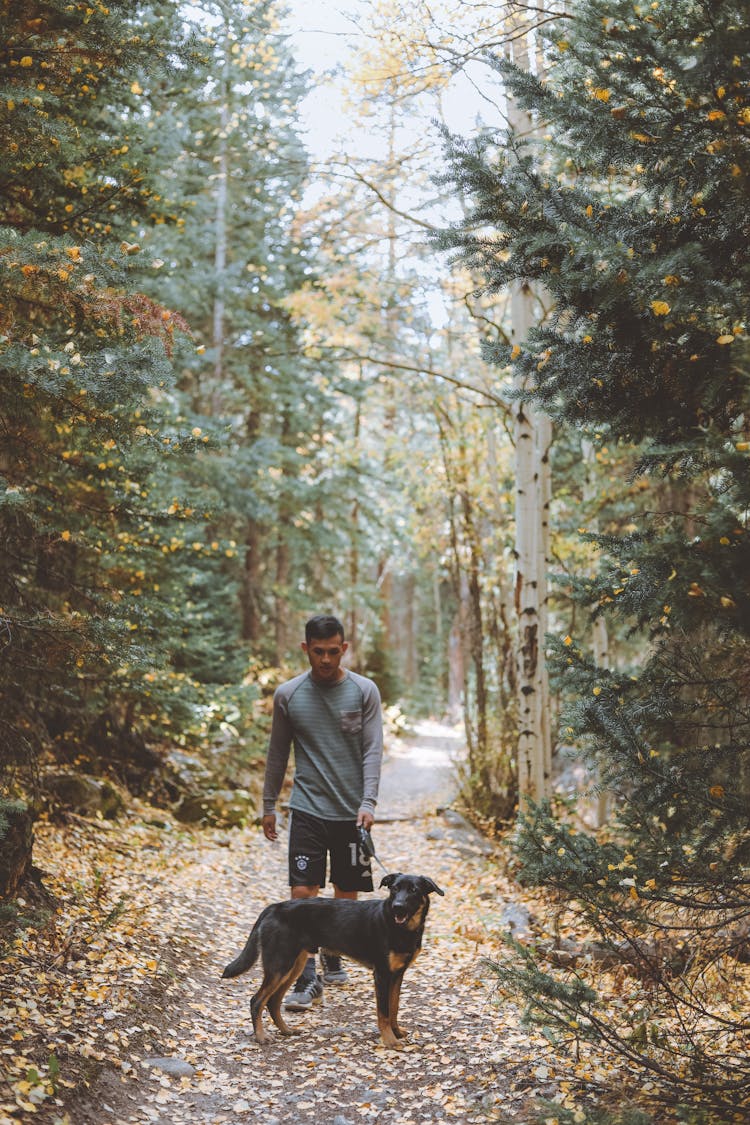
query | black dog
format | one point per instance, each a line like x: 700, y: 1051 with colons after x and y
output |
x: 383, y: 934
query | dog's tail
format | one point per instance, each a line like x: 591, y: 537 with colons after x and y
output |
x: 249, y: 954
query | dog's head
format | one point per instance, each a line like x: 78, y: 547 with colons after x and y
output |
x: 409, y: 898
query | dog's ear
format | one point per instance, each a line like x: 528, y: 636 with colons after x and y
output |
x: 388, y: 880
x: 430, y: 886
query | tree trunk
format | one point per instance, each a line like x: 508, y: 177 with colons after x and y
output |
x: 220, y: 223
x: 281, y: 598
x: 532, y: 438
x: 389, y: 588
x: 599, y: 631
x: 456, y: 668
x: 464, y: 630
x: 251, y: 574
x: 466, y: 576
x: 353, y: 615
x: 16, y: 843
x: 543, y: 447
x: 283, y: 557
x: 355, y: 658
x: 460, y: 655
x: 410, y: 630
x: 476, y: 626
x: 251, y: 584
x: 534, y: 752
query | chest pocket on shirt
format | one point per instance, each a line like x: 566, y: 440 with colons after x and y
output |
x: 351, y: 722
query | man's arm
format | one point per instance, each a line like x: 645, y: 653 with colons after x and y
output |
x: 279, y: 745
x: 372, y: 755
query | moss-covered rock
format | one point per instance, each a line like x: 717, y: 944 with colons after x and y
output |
x: 80, y: 793
x: 224, y: 808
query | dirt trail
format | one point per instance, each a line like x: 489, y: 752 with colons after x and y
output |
x: 336, y: 1071
x: 419, y: 774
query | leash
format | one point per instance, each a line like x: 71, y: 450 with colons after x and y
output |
x: 368, y: 847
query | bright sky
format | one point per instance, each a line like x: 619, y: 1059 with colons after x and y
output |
x: 323, y: 32
x: 323, y: 35
x: 322, y: 29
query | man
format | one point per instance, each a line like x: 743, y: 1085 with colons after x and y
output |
x: 332, y: 717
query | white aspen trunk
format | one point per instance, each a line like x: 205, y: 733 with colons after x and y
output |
x: 534, y: 753
x: 532, y: 441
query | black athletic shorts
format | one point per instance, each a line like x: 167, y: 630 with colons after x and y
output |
x: 312, y: 840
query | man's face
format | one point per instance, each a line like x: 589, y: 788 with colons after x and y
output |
x: 325, y: 657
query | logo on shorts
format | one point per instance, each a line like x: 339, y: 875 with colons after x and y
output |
x: 301, y: 862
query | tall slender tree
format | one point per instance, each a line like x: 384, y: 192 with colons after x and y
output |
x: 644, y: 247
x: 232, y: 269
x: 372, y: 309
x: 532, y: 440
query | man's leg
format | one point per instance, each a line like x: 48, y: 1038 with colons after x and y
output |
x: 350, y: 874
x: 330, y: 963
x: 306, y: 892
x: 306, y: 873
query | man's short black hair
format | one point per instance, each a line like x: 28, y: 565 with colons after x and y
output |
x: 323, y: 626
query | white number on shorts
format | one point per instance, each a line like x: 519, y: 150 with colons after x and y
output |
x: 359, y: 859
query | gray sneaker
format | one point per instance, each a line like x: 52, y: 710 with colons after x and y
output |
x: 307, y: 990
x: 333, y: 973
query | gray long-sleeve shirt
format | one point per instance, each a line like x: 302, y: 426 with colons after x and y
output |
x: 337, y: 734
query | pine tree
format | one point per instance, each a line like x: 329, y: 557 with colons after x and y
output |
x: 271, y: 469
x: 633, y: 215
x: 85, y: 360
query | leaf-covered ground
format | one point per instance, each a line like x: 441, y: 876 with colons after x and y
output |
x: 129, y: 970
x: 126, y: 971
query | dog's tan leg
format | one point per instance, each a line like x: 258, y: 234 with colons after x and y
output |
x: 393, y: 1002
x: 274, y: 1002
x: 386, y: 1034
x: 398, y: 964
x: 383, y: 985
x: 271, y: 986
x: 267, y: 987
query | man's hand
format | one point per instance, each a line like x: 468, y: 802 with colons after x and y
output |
x: 269, y: 826
x: 366, y: 819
